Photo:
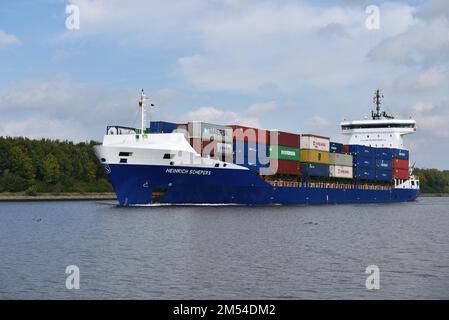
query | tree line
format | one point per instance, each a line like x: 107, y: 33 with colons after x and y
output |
x: 53, y: 166
x: 50, y: 166
x: 433, y: 180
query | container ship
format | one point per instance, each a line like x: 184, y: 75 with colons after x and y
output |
x: 199, y: 163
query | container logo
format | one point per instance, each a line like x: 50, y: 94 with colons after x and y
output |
x: 318, y: 144
x: 288, y: 153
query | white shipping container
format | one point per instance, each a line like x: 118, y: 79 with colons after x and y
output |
x: 311, y: 142
x: 340, y: 159
x: 224, y: 148
x: 208, y: 131
x: 340, y: 172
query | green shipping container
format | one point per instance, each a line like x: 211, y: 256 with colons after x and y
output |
x: 283, y: 153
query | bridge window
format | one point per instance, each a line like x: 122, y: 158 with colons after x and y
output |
x: 123, y: 160
x: 125, y: 154
x: 169, y: 156
x: 377, y: 125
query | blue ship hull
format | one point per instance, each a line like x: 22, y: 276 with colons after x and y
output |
x: 146, y: 184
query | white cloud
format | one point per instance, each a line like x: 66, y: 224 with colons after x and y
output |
x: 62, y: 109
x: 318, y: 122
x: 287, y: 46
x: 247, y: 117
x: 425, y: 43
x: 434, y: 8
x: 262, y: 107
x: 7, y: 40
x: 432, y: 120
x: 433, y: 77
x: 214, y: 115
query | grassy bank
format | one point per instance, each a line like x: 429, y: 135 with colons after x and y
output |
x: 439, y: 194
x: 23, y: 196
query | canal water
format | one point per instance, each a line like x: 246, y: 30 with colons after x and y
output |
x: 299, y: 252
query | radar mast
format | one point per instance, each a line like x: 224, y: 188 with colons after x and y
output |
x: 378, y: 100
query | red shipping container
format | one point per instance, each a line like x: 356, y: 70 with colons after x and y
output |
x: 346, y: 148
x: 248, y: 134
x: 401, y: 174
x: 400, y: 164
x: 286, y: 167
x: 284, y: 138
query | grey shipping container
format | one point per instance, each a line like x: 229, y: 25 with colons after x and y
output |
x: 208, y: 131
x: 340, y: 159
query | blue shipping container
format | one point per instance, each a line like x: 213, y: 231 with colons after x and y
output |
x: 363, y: 162
x: 384, y: 175
x: 383, y: 164
x: 384, y: 153
x: 336, y: 147
x: 162, y: 127
x: 364, y: 174
x: 400, y: 154
x: 250, y: 154
x: 362, y: 151
x: 315, y: 169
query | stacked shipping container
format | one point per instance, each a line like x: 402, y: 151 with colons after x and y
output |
x: 401, y: 165
x: 284, y: 152
x: 340, y: 164
x: 249, y: 147
x: 314, y: 155
x: 161, y: 127
x: 384, y: 171
x: 310, y: 154
x: 211, y: 140
x: 364, y: 161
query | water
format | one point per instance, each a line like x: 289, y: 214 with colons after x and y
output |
x: 224, y: 252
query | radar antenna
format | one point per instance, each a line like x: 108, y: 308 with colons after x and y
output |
x: 378, y: 100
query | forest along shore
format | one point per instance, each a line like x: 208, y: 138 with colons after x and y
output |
x: 57, y: 197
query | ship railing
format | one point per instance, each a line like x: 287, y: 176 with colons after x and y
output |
x: 118, y: 130
x: 327, y: 185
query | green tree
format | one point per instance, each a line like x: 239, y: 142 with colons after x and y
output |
x: 51, y: 169
x: 21, y: 165
x: 91, y: 170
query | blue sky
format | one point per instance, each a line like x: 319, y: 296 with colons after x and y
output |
x: 300, y: 66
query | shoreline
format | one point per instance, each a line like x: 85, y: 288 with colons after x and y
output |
x: 10, y: 197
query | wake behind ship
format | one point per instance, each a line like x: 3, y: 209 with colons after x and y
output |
x: 201, y: 163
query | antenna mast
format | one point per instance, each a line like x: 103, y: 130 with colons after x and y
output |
x: 378, y: 100
x: 142, y: 105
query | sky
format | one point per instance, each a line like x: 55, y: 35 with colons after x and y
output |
x: 297, y: 66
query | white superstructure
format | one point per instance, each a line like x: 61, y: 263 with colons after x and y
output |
x: 380, y: 131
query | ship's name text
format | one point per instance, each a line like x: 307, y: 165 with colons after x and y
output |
x: 189, y: 171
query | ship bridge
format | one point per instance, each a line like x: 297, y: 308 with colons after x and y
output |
x: 380, y: 131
